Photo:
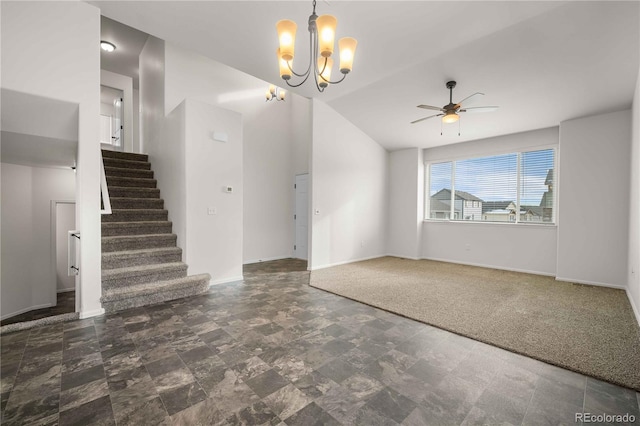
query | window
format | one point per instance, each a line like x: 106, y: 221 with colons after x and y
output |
x: 514, y: 188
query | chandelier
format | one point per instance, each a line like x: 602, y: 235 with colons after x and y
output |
x: 322, y: 31
x: 275, y: 93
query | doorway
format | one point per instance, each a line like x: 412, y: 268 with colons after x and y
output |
x: 111, y: 118
x: 301, y: 216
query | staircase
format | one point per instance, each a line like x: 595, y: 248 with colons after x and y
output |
x: 141, y: 264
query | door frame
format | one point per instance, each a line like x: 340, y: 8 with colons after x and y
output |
x: 53, y: 298
x: 295, y: 204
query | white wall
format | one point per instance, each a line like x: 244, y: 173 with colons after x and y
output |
x: 519, y: 247
x: 406, y: 203
x: 349, y: 173
x: 269, y: 145
x: 633, y: 281
x: 300, y: 120
x: 593, y: 196
x: 213, y: 241
x: 71, y: 73
x: 152, y: 70
x: 28, y: 274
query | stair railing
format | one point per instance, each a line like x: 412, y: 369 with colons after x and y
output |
x: 104, y: 190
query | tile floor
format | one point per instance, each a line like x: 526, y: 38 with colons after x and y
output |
x: 274, y: 351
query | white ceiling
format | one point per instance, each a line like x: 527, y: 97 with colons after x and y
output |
x: 541, y: 62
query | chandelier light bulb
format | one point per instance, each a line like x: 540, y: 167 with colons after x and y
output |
x: 325, y: 75
x: 326, y: 34
x: 347, y: 47
x: 285, y: 72
x: 450, y: 117
x: 287, y: 38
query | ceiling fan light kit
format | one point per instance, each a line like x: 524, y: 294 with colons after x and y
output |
x: 322, y: 32
x: 450, y: 112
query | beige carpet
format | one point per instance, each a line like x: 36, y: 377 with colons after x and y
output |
x: 588, y: 329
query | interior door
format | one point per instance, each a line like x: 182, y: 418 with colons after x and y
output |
x: 302, y: 216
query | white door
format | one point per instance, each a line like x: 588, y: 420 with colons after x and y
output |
x: 301, y: 216
x: 65, y: 221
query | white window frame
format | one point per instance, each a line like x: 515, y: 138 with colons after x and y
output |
x: 427, y: 188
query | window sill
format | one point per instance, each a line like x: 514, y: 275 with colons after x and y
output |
x: 477, y: 222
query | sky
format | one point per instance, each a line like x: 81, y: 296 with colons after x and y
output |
x: 495, y: 178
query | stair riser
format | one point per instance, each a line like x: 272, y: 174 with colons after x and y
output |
x: 136, y: 216
x: 142, y: 229
x: 133, y: 203
x: 116, y: 192
x: 126, y: 164
x: 125, y: 261
x: 138, y: 243
x: 135, y: 302
x: 142, y: 174
x: 130, y: 183
x: 143, y: 279
x: 125, y: 155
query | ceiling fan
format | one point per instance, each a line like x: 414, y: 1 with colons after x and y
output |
x: 449, y: 113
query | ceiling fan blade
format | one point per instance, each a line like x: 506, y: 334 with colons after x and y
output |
x: 469, y: 99
x: 426, y: 118
x: 480, y: 109
x: 435, y: 108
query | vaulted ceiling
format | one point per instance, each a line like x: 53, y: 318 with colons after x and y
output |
x: 541, y: 62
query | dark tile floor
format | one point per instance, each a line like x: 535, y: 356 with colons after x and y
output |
x: 274, y: 351
x: 66, y: 303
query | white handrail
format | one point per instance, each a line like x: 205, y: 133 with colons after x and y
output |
x: 104, y: 190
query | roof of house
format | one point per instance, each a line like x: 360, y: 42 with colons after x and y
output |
x: 495, y: 205
x: 549, y: 179
x: 445, y: 194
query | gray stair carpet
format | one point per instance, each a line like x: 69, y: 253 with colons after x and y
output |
x: 141, y: 263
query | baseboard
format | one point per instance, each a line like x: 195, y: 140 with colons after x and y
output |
x: 596, y: 283
x: 65, y: 290
x: 345, y: 262
x: 503, y: 268
x: 636, y: 311
x: 22, y: 311
x: 403, y: 256
x: 267, y: 259
x: 226, y: 280
x: 89, y: 314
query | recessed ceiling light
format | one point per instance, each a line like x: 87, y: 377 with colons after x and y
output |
x: 107, y: 47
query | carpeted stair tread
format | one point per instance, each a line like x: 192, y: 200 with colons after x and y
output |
x: 137, y: 242
x: 124, y: 155
x: 125, y: 172
x: 129, y: 258
x: 124, y: 191
x: 130, y: 182
x: 136, y: 203
x: 133, y: 296
x: 136, y: 215
x: 126, y: 164
x: 114, y: 229
x: 135, y: 271
x: 141, y: 274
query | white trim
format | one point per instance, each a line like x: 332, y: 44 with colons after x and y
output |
x: 89, y: 314
x: 65, y: 290
x: 481, y: 265
x: 30, y: 308
x: 636, y: 311
x: 596, y: 283
x: 53, y: 248
x: 238, y: 278
x: 345, y: 262
x: 403, y: 256
x: 268, y: 259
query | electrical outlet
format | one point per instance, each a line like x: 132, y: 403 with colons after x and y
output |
x: 212, y: 211
x: 467, y: 247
